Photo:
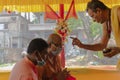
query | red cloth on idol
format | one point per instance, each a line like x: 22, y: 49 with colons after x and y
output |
x: 62, y: 55
x: 69, y: 78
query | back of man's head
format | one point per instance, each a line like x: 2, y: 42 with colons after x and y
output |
x: 37, y: 44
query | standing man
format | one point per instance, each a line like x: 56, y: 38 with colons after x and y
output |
x: 110, y: 20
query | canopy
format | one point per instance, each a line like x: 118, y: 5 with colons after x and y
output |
x: 39, y: 5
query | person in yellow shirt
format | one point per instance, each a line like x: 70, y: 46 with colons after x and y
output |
x: 110, y: 20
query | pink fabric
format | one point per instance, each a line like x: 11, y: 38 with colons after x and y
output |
x: 24, y: 70
x: 71, y: 78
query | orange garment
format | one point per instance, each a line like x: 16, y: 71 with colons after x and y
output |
x: 40, y: 72
x: 53, y: 66
x: 24, y: 70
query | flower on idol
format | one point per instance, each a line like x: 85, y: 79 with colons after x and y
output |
x: 62, y: 29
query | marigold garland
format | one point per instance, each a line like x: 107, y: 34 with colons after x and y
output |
x: 62, y: 29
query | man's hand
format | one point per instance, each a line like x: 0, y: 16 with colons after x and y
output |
x: 77, y: 42
x: 113, y: 51
x: 63, y: 74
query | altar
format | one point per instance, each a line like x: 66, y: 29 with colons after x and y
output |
x: 84, y: 73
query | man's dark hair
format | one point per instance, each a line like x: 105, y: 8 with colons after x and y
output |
x: 37, y: 44
x: 93, y: 4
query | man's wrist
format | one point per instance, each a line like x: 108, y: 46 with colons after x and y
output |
x: 118, y: 49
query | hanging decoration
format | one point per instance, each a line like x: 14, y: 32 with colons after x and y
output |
x: 38, y: 5
x: 6, y: 10
x: 61, y: 27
